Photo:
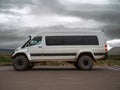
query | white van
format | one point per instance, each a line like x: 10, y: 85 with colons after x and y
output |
x: 82, y: 48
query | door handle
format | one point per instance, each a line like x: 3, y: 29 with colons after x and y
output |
x: 39, y: 46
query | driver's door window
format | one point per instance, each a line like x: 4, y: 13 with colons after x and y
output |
x: 35, y: 41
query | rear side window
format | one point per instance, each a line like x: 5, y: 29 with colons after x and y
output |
x: 72, y: 40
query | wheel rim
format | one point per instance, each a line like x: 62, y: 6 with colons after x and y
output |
x: 20, y: 63
x: 86, y: 63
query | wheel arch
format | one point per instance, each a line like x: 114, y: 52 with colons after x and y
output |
x: 18, y: 54
x: 88, y: 54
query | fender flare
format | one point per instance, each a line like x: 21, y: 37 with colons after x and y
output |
x: 26, y: 54
x: 87, y: 52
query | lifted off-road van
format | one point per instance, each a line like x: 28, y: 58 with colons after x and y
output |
x: 82, y: 48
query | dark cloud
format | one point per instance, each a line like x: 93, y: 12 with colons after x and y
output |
x: 112, y: 31
x: 104, y: 13
x: 17, y: 37
x: 45, y: 6
x: 108, y: 17
x: 10, y: 38
x: 6, y: 4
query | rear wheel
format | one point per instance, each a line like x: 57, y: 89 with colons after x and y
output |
x: 85, y: 63
x: 20, y: 63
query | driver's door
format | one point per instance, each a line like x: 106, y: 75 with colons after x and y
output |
x: 35, y: 48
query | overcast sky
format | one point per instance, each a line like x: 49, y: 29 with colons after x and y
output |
x: 19, y: 18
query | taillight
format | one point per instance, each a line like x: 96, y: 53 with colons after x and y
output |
x: 106, y: 48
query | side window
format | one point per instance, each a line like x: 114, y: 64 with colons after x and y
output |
x: 53, y: 40
x: 71, y: 40
x: 35, y: 41
x: 91, y: 40
x: 80, y: 40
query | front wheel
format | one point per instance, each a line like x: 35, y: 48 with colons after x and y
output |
x: 20, y: 63
x: 85, y: 63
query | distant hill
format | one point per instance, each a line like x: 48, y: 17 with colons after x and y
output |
x: 6, y: 51
x: 114, y: 51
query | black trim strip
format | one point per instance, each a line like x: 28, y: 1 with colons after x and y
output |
x: 53, y: 54
x: 98, y: 54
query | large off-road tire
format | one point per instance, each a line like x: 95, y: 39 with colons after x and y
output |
x: 20, y: 63
x: 85, y: 63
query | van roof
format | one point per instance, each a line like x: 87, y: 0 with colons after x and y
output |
x: 70, y: 31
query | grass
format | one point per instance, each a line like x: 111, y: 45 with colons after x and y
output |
x: 112, y: 60
x: 108, y: 62
x: 5, y: 59
x: 114, y: 57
